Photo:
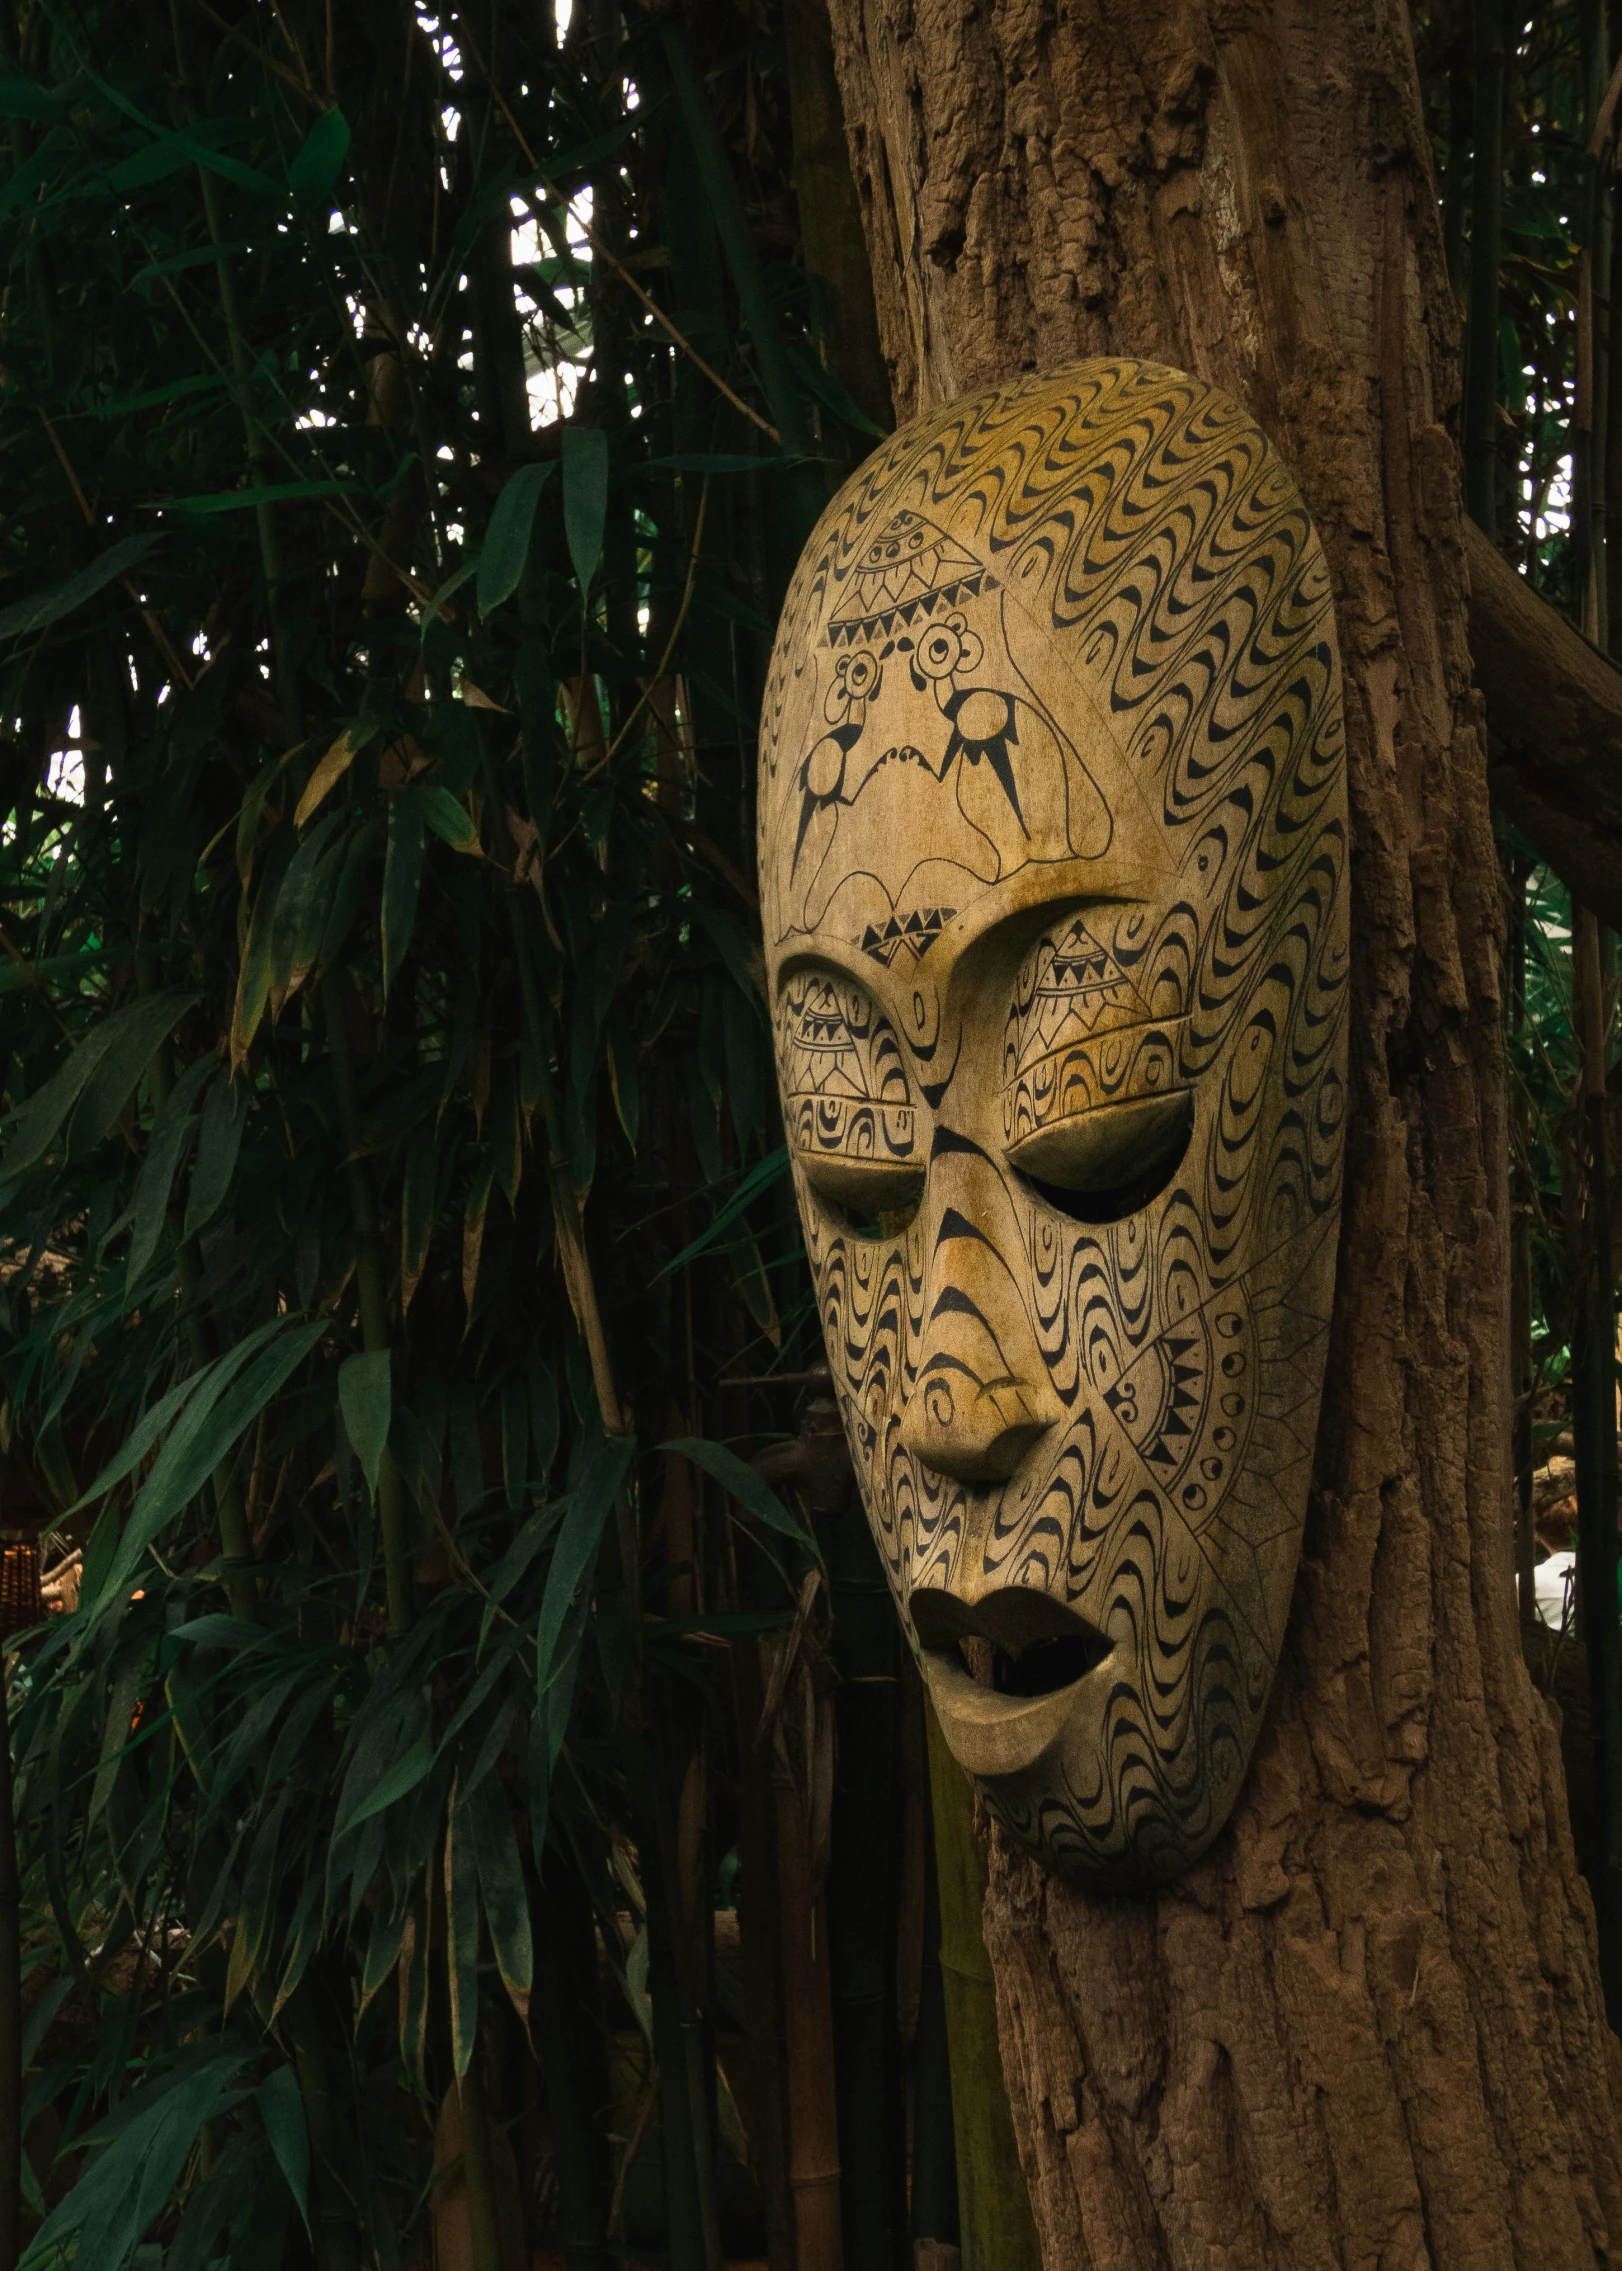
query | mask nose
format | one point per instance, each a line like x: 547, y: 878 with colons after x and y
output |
x: 982, y: 1395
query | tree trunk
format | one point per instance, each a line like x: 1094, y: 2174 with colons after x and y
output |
x: 1367, y: 2029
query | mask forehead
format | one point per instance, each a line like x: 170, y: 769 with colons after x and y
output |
x: 1052, y: 842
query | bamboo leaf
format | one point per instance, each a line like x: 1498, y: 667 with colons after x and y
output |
x: 308, y: 1921
x: 366, y: 1399
x: 328, y: 773
x: 57, y: 600
x: 313, y: 174
x: 740, y: 1481
x: 478, y: 1201
x: 26, y: 98
x: 170, y: 152
x: 172, y: 1131
x: 249, y: 499
x: 303, y: 908
x: 507, y: 539
x: 532, y: 1535
x: 346, y: 893
x: 417, y: 1210
x: 382, y: 1952
x: 449, y: 819
x: 145, y: 1435
x: 585, y: 499
x: 415, y: 1982
x: 462, y: 1929
x: 543, y: 1415
x: 254, y: 1915
x: 438, y: 609
x: 257, y: 972
x: 514, y: 1439
x: 252, y: 811
x: 760, y: 1178
x: 402, y: 878
x: 281, y: 2109
x: 742, y: 252
x: 225, y: 1115
x: 402, y: 1777
x: 829, y: 388
x: 125, y: 2186
x: 502, y: 1889
x: 122, y: 1699
x: 591, y: 1499
x: 113, y: 1058
x: 228, y: 1397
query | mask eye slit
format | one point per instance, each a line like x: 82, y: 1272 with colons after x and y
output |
x: 871, y: 1198
x: 1105, y: 1164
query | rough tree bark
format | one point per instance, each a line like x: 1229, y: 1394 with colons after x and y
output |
x: 1367, y: 2030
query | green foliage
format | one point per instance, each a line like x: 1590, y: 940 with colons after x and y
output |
x: 376, y: 814
x: 1549, y: 215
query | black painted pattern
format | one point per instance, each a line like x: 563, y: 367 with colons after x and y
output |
x: 1053, y: 837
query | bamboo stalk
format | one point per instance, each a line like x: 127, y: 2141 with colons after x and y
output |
x: 476, y: 2172
x: 334, y: 2236
x: 1521, y: 1197
x: 236, y: 1540
x: 565, y: 2033
x: 808, y: 2029
x: 761, y: 1947
x: 994, y: 2206
x: 934, y: 2206
x: 737, y: 243
x: 1590, y: 418
x: 1593, y: 1414
x: 1486, y: 229
x: 11, y: 2002
x: 691, y: 2216
x: 1456, y: 186
x: 830, y: 212
x: 334, y: 2232
x: 864, y: 1883
x: 372, y: 1290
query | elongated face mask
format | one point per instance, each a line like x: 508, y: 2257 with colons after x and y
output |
x: 1052, y: 848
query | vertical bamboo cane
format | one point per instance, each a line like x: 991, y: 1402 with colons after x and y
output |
x: 1520, y: 1268
x: 1594, y: 1441
x: 761, y: 1945
x: 11, y: 2002
x: 864, y: 1882
x: 813, y: 2112
x: 997, y: 2233
x: 936, y: 2224
x: 1486, y: 211
x: 566, y: 2032
x: 1456, y: 185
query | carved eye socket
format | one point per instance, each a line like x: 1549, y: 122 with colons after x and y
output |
x: 870, y: 1199
x: 852, y: 1123
x: 1105, y: 1164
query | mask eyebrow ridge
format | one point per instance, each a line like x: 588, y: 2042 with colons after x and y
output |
x: 947, y: 1141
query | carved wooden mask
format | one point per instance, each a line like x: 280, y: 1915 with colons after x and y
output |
x: 1052, y: 853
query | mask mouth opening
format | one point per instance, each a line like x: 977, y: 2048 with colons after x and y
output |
x: 1016, y: 1641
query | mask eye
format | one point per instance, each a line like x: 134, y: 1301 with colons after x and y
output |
x: 1105, y: 1164
x: 852, y: 1123
x: 873, y: 1200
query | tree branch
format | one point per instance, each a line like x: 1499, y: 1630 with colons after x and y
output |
x: 1554, y: 721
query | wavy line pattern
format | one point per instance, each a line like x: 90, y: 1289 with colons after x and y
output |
x: 1085, y: 618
